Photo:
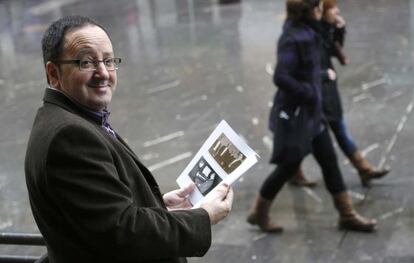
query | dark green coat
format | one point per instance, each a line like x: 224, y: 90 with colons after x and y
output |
x: 94, y: 201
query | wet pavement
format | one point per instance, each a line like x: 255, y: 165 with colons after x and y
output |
x: 187, y: 64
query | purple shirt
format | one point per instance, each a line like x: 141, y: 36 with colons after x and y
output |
x: 101, y: 117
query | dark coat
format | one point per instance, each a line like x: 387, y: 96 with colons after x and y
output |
x: 332, y: 42
x: 298, y: 76
x: 94, y: 201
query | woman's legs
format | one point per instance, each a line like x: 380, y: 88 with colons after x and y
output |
x: 259, y: 213
x: 366, y: 171
x: 343, y: 137
x: 299, y: 179
x: 325, y: 155
x: 277, y: 179
x: 345, y: 142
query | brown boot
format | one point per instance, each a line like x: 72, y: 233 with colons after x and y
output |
x: 365, y: 170
x: 259, y: 215
x: 299, y: 179
x: 349, y: 219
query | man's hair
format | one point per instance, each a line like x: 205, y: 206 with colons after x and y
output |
x: 300, y: 10
x: 53, y: 38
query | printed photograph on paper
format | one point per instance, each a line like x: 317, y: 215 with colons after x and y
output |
x: 226, y: 154
x: 204, y: 177
x: 223, y: 157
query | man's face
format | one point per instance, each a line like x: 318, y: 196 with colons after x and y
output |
x: 92, y: 89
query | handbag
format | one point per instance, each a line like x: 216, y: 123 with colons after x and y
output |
x: 292, y: 136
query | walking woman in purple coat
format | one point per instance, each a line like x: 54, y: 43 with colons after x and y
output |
x: 297, y: 120
x: 332, y: 32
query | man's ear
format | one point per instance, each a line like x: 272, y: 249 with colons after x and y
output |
x: 52, y: 72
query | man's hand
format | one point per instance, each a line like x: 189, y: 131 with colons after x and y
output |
x: 178, y: 199
x: 218, y: 203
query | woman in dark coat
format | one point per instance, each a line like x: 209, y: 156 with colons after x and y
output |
x: 297, y: 116
x: 332, y: 33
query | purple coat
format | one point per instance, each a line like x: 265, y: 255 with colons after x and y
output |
x: 298, y: 75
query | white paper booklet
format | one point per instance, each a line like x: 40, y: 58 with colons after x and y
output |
x: 224, y: 157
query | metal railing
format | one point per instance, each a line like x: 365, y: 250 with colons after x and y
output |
x: 25, y: 239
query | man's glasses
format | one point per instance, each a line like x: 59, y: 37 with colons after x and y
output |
x: 110, y: 64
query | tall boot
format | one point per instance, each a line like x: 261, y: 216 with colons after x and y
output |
x: 349, y: 219
x: 299, y: 179
x: 259, y: 215
x: 365, y: 170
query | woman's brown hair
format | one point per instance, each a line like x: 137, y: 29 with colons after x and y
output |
x: 328, y: 4
x: 301, y: 9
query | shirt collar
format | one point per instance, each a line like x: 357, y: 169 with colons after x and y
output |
x: 101, y: 117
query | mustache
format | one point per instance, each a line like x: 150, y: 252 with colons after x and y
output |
x: 98, y: 83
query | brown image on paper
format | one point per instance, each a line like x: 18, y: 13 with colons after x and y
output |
x: 226, y: 154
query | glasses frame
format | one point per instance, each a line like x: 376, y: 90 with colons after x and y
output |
x: 95, y: 63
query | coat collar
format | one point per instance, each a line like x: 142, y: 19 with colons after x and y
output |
x: 57, y: 97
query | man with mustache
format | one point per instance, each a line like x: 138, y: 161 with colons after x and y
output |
x: 91, y: 197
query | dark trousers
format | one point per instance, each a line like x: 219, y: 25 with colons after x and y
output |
x: 324, y: 154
